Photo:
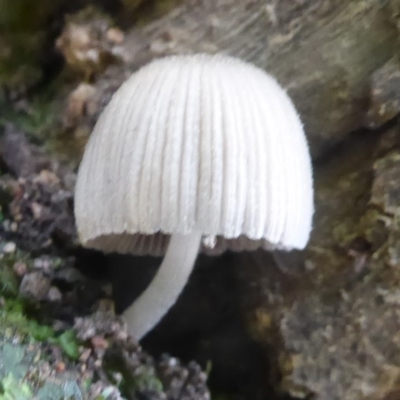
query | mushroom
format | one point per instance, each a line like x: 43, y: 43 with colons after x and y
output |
x: 193, y: 153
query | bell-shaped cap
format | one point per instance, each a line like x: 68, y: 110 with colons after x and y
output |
x: 197, y: 142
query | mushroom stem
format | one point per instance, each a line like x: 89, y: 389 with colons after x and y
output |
x: 167, y: 285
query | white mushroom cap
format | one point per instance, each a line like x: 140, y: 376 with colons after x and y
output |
x: 196, y: 143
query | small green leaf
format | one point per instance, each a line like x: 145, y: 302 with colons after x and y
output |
x: 69, y: 344
x: 41, y: 332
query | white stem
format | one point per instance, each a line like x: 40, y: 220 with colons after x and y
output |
x: 165, y: 288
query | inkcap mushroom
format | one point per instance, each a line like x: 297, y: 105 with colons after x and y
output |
x: 193, y: 153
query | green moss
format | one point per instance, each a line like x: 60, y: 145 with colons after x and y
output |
x: 21, y: 374
x: 19, y: 61
x: 41, y: 121
x: 147, y: 381
x: 38, y: 121
x: 9, y: 284
x: 115, y: 364
x: 23, y: 40
x: 11, y: 389
x: 13, y: 319
x: 15, y: 311
x: 27, y: 16
x: 69, y: 343
x: 8, y: 280
x: 105, y: 395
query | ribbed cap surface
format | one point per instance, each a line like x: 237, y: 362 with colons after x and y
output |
x: 196, y: 142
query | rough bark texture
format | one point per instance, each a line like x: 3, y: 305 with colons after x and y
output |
x: 323, y: 52
x: 336, y: 318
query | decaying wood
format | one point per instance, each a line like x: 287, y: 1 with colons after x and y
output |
x: 323, y: 52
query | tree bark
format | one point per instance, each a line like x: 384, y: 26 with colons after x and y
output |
x: 323, y: 52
